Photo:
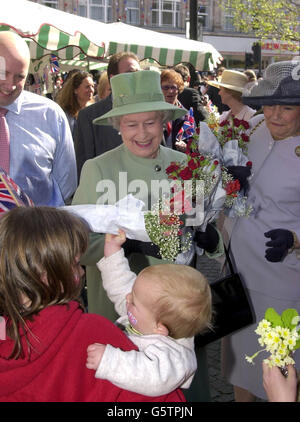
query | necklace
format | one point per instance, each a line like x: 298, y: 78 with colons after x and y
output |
x: 256, y: 127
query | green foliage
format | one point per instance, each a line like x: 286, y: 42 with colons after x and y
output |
x: 273, y: 19
x: 273, y: 317
x: 288, y: 319
x: 289, y: 316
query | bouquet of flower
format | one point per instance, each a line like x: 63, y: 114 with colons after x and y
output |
x: 279, y: 336
x: 199, y: 178
x: 165, y: 229
x: 233, y: 129
x: 206, y: 168
x: 161, y: 225
x: 213, y: 117
x: 229, y: 145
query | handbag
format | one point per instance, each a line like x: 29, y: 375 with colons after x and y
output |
x: 232, y: 309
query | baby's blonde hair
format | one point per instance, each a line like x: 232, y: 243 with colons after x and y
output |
x: 183, y: 303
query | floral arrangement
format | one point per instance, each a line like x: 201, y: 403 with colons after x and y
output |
x: 228, y: 141
x: 229, y: 129
x: 166, y: 222
x: 165, y: 229
x: 196, y: 167
x: 213, y: 117
x: 202, y: 167
x: 279, y: 336
x: 234, y: 129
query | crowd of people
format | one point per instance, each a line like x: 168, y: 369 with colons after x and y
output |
x: 142, y: 311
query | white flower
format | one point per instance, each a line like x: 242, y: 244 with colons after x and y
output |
x: 249, y: 359
x: 289, y: 361
x: 276, y: 361
x: 290, y: 342
x: 263, y: 327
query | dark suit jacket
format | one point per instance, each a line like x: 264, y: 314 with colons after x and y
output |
x: 190, y: 97
x: 92, y: 140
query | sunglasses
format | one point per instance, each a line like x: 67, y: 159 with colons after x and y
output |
x: 169, y: 87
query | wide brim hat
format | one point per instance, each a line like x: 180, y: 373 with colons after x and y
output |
x: 138, y: 92
x: 280, y: 85
x: 231, y: 79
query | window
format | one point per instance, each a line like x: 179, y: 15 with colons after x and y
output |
x: 100, y: 10
x: 50, y: 3
x: 82, y: 8
x: 166, y: 13
x: 228, y: 24
x: 204, y: 17
x: 132, y: 12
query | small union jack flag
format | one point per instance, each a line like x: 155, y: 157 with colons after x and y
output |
x: 54, y: 65
x: 11, y: 195
x: 187, y: 130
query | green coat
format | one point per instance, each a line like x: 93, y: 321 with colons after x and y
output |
x: 108, y: 166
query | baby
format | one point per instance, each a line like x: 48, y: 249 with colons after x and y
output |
x: 162, y: 309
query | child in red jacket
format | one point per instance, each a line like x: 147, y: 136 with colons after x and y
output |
x: 46, y: 332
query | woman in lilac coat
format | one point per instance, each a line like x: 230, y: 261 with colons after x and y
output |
x: 265, y: 247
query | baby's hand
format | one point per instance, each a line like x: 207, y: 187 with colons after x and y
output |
x: 94, y: 355
x: 113, y: 242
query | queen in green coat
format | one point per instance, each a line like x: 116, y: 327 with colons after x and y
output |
x: 139, y: 113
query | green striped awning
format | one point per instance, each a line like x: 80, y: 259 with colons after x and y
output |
x: 83, y: 64
x: 51, y: 40
x: 165, y: 56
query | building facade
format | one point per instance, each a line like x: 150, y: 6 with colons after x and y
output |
x: 215, y: 25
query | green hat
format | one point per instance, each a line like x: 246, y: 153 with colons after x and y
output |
x: 137, y: 92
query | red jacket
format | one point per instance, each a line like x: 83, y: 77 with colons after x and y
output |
x: 55, y: 370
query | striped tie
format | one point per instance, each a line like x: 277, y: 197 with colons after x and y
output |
x: 4, y: 140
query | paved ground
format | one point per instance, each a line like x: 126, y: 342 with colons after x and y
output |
x: 220, y: 390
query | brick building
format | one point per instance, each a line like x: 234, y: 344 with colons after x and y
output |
x: 172, y: 16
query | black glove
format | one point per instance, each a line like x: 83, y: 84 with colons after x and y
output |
x: 281, y: 241
x: 241, y: 173
x: 207, y: 240
x: 144, y: 248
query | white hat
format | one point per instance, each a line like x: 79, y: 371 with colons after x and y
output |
x: 231, y: 79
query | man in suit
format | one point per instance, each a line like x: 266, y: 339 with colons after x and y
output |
x: 92, y: 140
x: 190, y: 97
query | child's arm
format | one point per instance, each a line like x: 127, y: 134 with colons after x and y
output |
x: 113, y: 243
x: 160, y: 368
x: 116, y: 275
x: 94, y: 355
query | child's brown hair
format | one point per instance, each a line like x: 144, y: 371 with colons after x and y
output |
x: 39, y: 247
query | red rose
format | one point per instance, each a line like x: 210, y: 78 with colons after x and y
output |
x: 172, y: 167
x: 249, y: 163
x: 202, y: 158
x: 195, y: 154
x: 223, y: 123
x: 185, y: 174
x: 216, y: 162
x: 245, y: 124
x: 232, y: 187
x: 193, y: 164
x: 245, y: 137
x: 236, y: 122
